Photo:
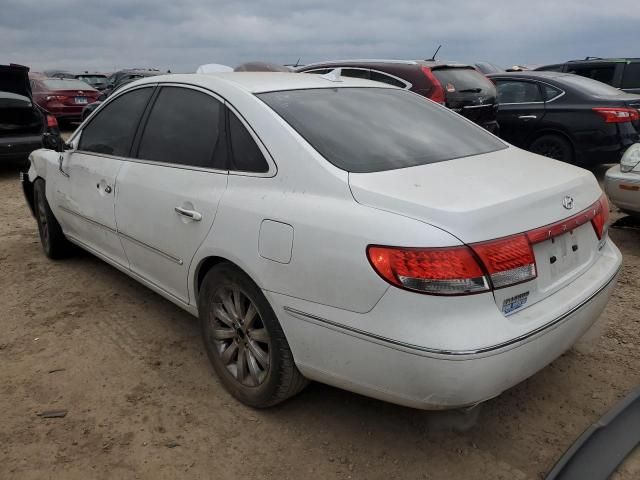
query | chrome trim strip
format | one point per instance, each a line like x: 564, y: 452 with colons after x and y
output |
x: 90, y: 220
x: 166, y: 255
x: 454, y: 353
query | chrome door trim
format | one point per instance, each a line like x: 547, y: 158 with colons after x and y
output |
x: 151, y: 248
x: 88, y: 219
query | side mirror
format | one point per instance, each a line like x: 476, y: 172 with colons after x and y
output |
x: 54, y: 142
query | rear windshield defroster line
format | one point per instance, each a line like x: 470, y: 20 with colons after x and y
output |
x: 369, y: 129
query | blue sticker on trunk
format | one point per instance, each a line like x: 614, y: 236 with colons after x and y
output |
x: 514, y: 303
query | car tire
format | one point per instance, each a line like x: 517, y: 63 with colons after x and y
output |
x: 244, y: 340
x: 54, y: 243
x: 553, y: 146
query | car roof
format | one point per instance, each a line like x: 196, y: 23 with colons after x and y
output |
x: 260, y: 82
x: 373, y: 62
x: 533, y: 74
x: 604, y: 60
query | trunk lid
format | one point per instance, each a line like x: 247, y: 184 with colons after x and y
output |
x: 495, y: 195
x: 15, y: 79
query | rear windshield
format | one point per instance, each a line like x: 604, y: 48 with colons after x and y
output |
x: 66, y: 85
x: 376, y: 129
x: 92, y: 79
x: 592, y: 87
x: 461, y: 79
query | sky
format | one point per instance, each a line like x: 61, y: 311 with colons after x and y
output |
x: 106, y: 35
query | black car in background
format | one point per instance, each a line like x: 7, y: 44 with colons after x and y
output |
x: 460, y: 87
x: 622, y: 73
x: 123, y: 76
x: 566, y: 117
x: 22, y: 121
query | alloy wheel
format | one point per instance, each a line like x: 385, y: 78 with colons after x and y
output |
x: 42, y: 220
x: 239, y: 335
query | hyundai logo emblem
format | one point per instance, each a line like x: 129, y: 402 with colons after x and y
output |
x: 567, y: 202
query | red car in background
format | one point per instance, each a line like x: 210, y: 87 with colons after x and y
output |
x: 62, y: 97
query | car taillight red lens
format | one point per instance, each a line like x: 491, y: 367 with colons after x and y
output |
x: 508, y: 260
x: 617, y: 115
x: 437, y: 94
x: 439, y: 271
x: 51, y: 121
x: 601, y: 216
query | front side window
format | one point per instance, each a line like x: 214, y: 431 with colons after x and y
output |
x: 516, y: 91
x: 360, y: 129
x: 112, y: 130
x: 245, y: 154
x: 631, y: 77
x: 185, y: 128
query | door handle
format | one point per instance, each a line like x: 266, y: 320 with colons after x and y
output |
x: 528, y: 117
x: 192, y: 214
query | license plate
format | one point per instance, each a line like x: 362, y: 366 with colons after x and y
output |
x: 81, y: 100
x: 563, y: 254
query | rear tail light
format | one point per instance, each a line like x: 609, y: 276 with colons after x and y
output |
x: 439, y: 271
x: 50, y: 98
x: 617, y: 115
x: 600, y: 218
x: 52, y: 122
x: 508, y: 260
x: 477, y: 267
x: 437, y: 94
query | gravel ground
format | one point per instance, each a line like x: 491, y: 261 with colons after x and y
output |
x: 143, y: 402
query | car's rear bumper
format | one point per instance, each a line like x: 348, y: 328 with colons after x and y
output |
x: 623, y: 189
x: 408, y: 371
x: 19, y: 147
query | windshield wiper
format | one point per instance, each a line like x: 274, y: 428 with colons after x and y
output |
x: 470, y: 90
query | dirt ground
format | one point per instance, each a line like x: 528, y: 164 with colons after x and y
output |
x: 143, y: 401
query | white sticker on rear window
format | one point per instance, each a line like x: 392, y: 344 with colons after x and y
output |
x: 512, y: 304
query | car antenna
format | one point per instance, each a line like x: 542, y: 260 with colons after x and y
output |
x: 297, y: 62
x: 433, y: 57
x: 333, y: 75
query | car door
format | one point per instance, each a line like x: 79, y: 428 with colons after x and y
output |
x: 169, y: 194
x: 86, y: 181
x: 520, y: 109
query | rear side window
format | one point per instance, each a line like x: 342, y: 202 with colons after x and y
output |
x: 516, y: 91
x: 377, y: 129
x: 246, y: 156
x: 550, y: 92
x: 384, y: 78
x: 631, y: 77
x: 112, y: 130
x: 601, y: 73
x: 354, y: 73
x: 461, y: 79
x: 184, y: 128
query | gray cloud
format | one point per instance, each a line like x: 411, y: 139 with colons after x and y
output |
x: 181, y: 35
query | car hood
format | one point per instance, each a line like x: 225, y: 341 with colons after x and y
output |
x: 15, y: 79
x: 481, y: 197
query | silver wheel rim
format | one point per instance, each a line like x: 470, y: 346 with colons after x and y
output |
x: 239, y: 336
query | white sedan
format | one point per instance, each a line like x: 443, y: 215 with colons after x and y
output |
x: 334, y: 229
x: 622, y: 182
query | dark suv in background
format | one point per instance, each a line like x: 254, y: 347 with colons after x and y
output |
x: 622, y: 73
x: 459, y: 87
